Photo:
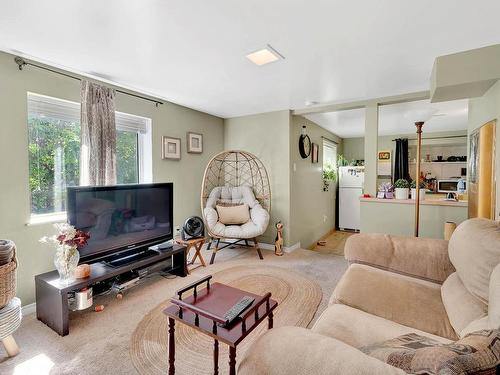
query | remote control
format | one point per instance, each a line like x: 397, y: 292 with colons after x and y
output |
x: 237, y: 309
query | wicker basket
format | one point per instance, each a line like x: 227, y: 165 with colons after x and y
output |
x: 8, y: 281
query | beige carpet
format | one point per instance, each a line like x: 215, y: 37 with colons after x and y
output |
x: 298, y: 299
x: 98, y: 343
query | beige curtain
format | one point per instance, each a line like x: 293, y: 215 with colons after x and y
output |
x: 98, y: 135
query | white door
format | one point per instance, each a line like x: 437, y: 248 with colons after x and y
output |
x: 349, y: 208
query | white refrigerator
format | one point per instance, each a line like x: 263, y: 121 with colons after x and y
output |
x: 351, y: 180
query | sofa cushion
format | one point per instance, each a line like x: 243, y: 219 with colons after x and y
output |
x: 474, y: 250
x: 405, y: 300
x: 296, y: 350
x: 231, y: 215
x: 494, y: 300
x: 461, y: 306
x: 424, y: 258
x: 478, y: 352
x: 358, y: 328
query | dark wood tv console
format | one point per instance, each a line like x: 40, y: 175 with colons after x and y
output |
x: 52, y: 296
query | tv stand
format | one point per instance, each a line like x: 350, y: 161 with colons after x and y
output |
x: 52, y: 296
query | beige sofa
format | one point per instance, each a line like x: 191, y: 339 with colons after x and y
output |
x: 394, y: 286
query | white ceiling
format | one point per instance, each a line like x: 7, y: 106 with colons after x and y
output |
x: 193, y: 52
x: 392, y: 120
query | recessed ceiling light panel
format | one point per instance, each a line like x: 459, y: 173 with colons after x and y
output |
x: 265, y: 56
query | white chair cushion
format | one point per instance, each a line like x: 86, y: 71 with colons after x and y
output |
x: 236, y: 194
x: 259, y: 217
x: 474, y: 250
x: 461, y: 306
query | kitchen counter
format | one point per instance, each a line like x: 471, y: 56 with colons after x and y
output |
x: 395, y: 216
x: 427, y: 201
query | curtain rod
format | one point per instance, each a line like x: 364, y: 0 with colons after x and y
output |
x: 443, y: 137
x: 331, y: 140
x: 21, y: 63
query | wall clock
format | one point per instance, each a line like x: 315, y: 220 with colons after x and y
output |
x: 304, y: 144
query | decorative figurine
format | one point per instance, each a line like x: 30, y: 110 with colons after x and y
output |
x: 278, y: 243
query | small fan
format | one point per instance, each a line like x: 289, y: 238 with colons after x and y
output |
x: 193, y: 228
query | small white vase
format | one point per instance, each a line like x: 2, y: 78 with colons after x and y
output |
x: 66, y: 260
x: 402, y: 193
x: 414, y: 194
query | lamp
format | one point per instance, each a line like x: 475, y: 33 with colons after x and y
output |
x: 419, y: 117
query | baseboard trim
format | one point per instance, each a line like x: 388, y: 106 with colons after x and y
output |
x: 28, y: 309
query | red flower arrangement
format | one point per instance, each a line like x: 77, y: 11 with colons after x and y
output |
x: 79, y: 240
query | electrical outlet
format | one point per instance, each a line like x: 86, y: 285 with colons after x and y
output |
x: 325, y: 218
x: 177, y: 231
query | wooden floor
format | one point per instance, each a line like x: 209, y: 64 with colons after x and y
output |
x: 335, y: 242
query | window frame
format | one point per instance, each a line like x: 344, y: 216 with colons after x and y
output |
x: 68, y: 109
x: 334, y: 146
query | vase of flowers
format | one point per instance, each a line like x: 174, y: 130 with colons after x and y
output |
x: 68, y: 240
x: 386, y: 191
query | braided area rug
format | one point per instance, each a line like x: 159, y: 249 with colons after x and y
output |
x: 298, y: 299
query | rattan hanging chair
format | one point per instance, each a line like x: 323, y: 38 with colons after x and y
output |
x: 235, y: 177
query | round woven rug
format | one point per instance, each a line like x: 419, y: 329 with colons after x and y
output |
x: 298, y: 299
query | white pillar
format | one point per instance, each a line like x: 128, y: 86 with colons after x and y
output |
x: 371, y: 148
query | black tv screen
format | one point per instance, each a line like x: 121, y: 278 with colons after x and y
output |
x: 121, y: 217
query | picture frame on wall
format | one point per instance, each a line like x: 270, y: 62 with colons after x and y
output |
x: 171, y: 148
x: 194, y: 143
x: 315, y: 153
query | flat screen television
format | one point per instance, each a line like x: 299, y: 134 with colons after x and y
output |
x: 121, y: 217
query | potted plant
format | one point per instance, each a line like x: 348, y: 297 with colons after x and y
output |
x: 402, y: 188
x: 329, y: 175
x: 342, y: 161
x: 413, y: 187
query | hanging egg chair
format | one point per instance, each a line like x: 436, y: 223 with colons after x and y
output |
x: 235, y: 178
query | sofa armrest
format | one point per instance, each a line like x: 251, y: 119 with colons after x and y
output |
x: 296, y: 350
x: 424, y: 258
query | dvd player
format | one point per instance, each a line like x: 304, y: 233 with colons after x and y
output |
x: 124, y: 259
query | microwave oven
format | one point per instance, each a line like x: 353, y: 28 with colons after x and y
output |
x: 450, y: 185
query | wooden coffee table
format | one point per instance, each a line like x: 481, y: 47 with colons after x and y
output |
x: 204, y: 311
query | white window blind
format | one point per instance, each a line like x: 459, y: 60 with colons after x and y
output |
x: 329, y: 153
x: 42, y: 106
x: 59, y: 109
x: 131, y: 123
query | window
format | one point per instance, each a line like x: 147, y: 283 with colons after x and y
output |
x: 54, y: 151
x: 329, y: 154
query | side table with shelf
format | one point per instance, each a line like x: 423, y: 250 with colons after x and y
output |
x: 52, y: 295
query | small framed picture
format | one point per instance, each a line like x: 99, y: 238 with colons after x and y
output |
x: 194, y: 143
x: 171, y: 148
x: 315, y: 152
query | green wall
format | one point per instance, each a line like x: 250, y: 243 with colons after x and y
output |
x: 354, y: 148
x: 266, y: 135
x: 168, y: 119
x: 298, y: 199
x: 312, y: 210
